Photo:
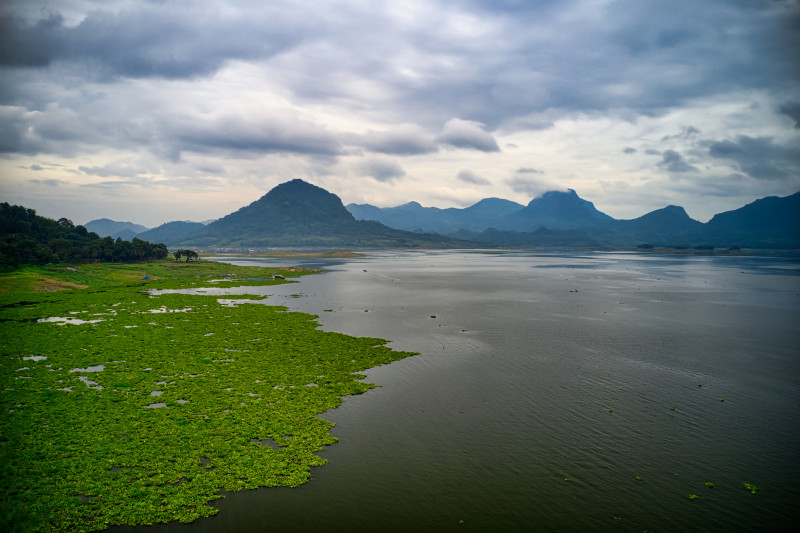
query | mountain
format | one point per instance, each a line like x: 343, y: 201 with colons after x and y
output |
x: 414, y: 217
x: 669, y: 226
x: 297, y: 213
x: 125, y: 235
x: 171, y: 231
x: 554, y: 210
x: 770, y: 222
x: 491, y: 208
x: 564, y: 219
x: 111, y: 228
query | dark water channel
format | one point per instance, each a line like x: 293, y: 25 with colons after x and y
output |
x: 553, y: 392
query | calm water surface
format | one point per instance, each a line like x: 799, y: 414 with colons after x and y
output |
x: 553, y: 392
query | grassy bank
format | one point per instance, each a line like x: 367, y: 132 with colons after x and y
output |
x: 136, y: 409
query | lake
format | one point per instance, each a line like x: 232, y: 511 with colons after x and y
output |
x: 552, y: 392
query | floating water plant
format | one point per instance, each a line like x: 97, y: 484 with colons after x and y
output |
x: 91, y: 448
x: 694, y: 497
x: 754, y: 489
x: 709, y: 484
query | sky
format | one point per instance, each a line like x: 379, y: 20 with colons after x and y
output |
x: 156, y: 110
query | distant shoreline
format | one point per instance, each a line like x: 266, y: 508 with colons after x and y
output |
x: 338, y: 254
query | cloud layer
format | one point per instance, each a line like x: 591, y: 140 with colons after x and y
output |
x: 443, y: 102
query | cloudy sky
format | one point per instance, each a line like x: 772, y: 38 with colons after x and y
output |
x: 158, y: 110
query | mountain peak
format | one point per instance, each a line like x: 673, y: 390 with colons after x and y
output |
x: 410, y: 205
x: 559, y: 210
x: 297, y: 213
x: 554, y: 193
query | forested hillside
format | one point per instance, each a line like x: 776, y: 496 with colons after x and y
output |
x: 27, y: 238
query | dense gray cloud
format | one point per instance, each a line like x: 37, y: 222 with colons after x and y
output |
x: 277, y: 134
x: 53, y: 130
x: 381, y: 169
x: 149, y: 40
x: 792, y: 110
x: 402, y: 140
x: 327, y: 88
x: 759, y: 157
x: 479, y: 61
x: 467, y: 134
x: 673, y: 161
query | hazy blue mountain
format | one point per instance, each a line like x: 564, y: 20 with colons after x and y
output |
x: 125, y: 234
x: 569, y: 220
x: 297, y: 213
x: 770, y: 222
x: 105, y: 227
x: 554, y: 210
x: 492, y: 208
x: 410, y: 217
x: 171, y: 231
x: 669, y: 226
x: 414, y: 217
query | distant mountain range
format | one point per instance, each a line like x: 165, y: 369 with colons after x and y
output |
x: 564, y: 219
x: 171, y: 231
x: 299, y: 214
x: 105, y: 227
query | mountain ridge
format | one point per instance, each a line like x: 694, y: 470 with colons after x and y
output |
x: 299, y: 214
x: 770, y: 222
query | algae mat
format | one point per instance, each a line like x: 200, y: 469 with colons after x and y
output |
x: 130, y: 408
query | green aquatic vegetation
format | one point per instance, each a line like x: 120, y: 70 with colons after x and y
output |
x: 694, y: 497
x: 754, y: 489
x: 145, y: 416
x: 709, y: 484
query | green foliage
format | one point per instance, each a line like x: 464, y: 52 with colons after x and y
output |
x: 29, y: 239
x: 754, y: 489
x: 142, y: 413
x: 190, y: 255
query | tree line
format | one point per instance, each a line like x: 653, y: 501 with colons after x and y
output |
x: 27, y: 238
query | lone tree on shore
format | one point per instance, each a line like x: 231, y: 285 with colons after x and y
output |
x: 190, y: 255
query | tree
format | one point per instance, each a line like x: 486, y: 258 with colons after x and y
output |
x: 66, y: 223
